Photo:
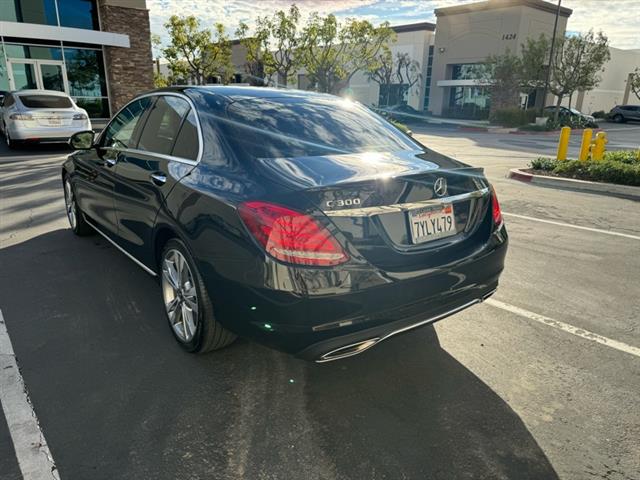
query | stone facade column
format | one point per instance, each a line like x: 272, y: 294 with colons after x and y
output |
x: 129, y: 70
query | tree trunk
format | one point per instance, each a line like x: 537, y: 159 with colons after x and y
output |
x: 557, y: 112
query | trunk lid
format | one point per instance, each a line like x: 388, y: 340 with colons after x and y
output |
x: 53, y: 117
x: 369, y: 196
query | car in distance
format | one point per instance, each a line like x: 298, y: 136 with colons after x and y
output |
x: 299, y: 220
x: 589, y: 120
x: 624, y: 113
x: 37, y: 116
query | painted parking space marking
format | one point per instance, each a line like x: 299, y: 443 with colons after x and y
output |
x: 565, y: 327
x: 32, y: 452
x: 569, y: 225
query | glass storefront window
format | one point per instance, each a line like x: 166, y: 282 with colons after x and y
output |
x: 468, y: 102
x: 464, y: 71
x: 4, y: 77
x: 95, y: 107
x: 85, y: 72
x: 87, y: 80
x: 72, y: 13
x: 31, y: 51
x: 42, y: 12
x: 78, y: 14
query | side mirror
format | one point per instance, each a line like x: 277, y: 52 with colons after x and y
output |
x: 82, y: 140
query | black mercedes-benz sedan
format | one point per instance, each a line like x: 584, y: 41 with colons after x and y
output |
x: 300, y: 220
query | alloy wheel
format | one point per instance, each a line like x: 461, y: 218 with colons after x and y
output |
x: 180, y: 295
x: 70, y: 203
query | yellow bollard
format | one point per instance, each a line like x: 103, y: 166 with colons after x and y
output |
x: 586, y: 144
x: 563, y: 143
x: 598, y: 146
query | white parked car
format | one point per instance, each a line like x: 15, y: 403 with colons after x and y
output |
x: 40, y: 116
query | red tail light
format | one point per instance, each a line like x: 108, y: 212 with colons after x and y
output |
x: 495, y: 209
x: 291, y: 236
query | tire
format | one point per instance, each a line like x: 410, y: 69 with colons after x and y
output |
x: 11, y: 144
x: 187, y: 303
x: 78, y: 224
x: 618, y: 118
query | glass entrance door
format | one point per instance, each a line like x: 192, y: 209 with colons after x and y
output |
x: 37, y: 75
x: 23, y: 76
x: 52, y: 76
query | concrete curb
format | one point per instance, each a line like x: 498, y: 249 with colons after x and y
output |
x: 622, y: 191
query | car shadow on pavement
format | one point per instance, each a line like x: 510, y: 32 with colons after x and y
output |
x: 33, y: 149
x: 118, y: 398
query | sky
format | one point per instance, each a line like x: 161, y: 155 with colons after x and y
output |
x: 618, y: 19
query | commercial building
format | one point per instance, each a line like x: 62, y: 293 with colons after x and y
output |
x: 97, y: 51
x: 463, y: 37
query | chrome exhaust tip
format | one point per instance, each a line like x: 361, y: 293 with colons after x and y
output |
x: 348, y: 350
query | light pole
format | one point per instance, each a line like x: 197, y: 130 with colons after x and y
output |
x: 553, y: 42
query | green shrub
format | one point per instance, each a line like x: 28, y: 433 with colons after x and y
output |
x: 621, y: 167
x: 512, y: 117
x: 624, y: 156
x: 543, y: 163
x: 600, y: 171
x: 599, y: 114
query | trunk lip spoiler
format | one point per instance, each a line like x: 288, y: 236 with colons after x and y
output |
x: 403, y: 207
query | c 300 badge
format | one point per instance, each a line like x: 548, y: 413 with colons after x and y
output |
x: 349, y: 202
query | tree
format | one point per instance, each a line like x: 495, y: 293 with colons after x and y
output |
x: 407, y: 70
x: 382, y: 71
x: 502, y: 74
x: 533, y: 63
x: 273, y: 47
x: 282, y: 58
x: 576, y: 63
x: 634, y: 82
x: 332, y: 53
x: 386, y: 71
x: 195, y: 52
x: 255, y: 45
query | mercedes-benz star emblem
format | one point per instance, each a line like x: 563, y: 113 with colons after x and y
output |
x: 440, y: 187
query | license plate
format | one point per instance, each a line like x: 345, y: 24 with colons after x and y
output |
x: 55, y: 121
x: 432, y: 223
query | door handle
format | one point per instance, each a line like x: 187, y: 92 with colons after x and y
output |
x: 159, y: 178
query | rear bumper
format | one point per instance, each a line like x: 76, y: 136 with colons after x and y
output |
x: 349, y: 345
x: 311, y: 326
x: 45, y: 134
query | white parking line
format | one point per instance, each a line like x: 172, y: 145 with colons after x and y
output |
x: 32, y: 452
x: 565, y: 327
x: 569, y: 225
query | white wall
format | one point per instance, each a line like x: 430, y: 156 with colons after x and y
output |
x: 416, y: 44
x: 611, y: 90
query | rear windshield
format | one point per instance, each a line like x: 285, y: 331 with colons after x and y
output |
x: 45, y: 101
x: 285, y: 128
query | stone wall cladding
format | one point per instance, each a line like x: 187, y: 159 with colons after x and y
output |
x: 129, y: 70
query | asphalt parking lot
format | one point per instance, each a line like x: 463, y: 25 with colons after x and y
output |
x: 542, y: 382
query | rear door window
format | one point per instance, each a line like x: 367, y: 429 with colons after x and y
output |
x: 45, y: 101
x: 120, y: 132
x: 163, y: 124
x: 187, y: 143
